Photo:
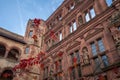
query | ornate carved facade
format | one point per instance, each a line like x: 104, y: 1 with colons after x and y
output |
x: 84, y: 44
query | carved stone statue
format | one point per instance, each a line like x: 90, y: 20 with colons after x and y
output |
x: 85, y: 56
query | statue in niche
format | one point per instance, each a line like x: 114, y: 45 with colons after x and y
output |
x: 85, y: 56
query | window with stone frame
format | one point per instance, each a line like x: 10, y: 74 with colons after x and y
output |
x: 72, y: 56
x: 99, y: 60
x: 31, y: 33
x: 70, y: 6
x: 97, y: 44
x: 97, y: 64
x: 75, y: 68
x: 75, y: 57
x: 105, y: 60
x: 100, y: 45
x: 60, y: 17
x: 87, y: 17
x: 27, y: 49
x: 109, y: 2
x: 90, y: 14
x: 60, y: 35
x: 73, y: 26
x: 93, y: 48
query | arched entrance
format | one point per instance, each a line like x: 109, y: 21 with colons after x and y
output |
x: 6, y: 75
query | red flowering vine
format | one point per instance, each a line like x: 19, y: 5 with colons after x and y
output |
x: 37, y: 22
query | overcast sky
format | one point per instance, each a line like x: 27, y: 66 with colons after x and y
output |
x: 14, y: 14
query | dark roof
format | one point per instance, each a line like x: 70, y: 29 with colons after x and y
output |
x: 13, y: 36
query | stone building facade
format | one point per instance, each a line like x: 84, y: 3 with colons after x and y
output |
x: 88, y: 32
x: 84, y: 44
x: 11, y: 47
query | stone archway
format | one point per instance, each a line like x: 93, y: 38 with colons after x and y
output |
x: 6, y: 75
x: 13, y: 54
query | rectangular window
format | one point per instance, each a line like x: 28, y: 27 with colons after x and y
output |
x: 105, y: 60
x: 71, y: 29
x: 100, y: 45
x: 87, y: 17
x: 72, y: 6
x: 27, y: 50
x: 72, y: 56
x: 60, y: 36
x: 92, y: 12
x: 97, y: 65
x: 74, y: 26
x: 77, y: 55
x: 93, y: 47
x: 30, y: 33
x: 60, y: 17
x: 79, y: 71
x: 109, y: 2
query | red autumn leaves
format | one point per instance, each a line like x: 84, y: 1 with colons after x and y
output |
x: 52, y: 35
x: 5, y: 75
x: 34, y: 37
x: 37, y: 22
x: 24, y: 63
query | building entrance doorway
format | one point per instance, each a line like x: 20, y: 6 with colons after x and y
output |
x: 6, y: 75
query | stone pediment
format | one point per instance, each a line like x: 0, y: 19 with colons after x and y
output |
x: 92, y: 32
x: 73, y: 44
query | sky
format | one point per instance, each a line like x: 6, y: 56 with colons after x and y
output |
x: 14, y: 14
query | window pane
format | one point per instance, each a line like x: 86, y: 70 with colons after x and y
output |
x: 60, y: 36
x: 74, y: 26
x: 97, y: 65
x: 109, y: 2
x: 105, y: 60
x: 30, y: 33
x: 77, y: 55
x: 92, y: 13
x: 87, y: 17
x: 100, y: 45
x: 27, y: 50
x: 71, y: 29
x: 72, y: 6
x: 94, y: 51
